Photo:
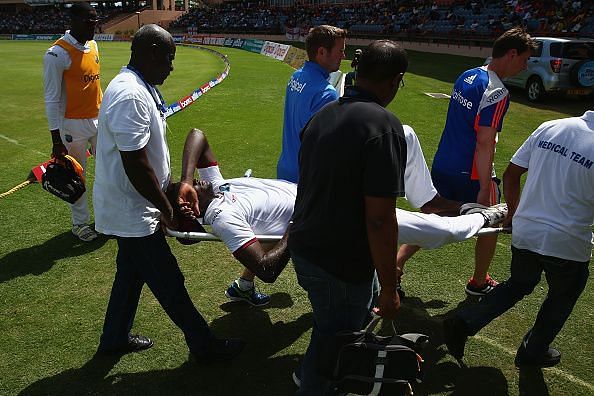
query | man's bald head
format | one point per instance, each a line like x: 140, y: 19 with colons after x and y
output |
x: 148, y: 36
x: 153, y: 51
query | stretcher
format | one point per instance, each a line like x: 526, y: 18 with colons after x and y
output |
x: 205, y: 236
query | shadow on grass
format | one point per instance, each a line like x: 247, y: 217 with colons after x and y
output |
x: 36, y: 260
x: 532, y: 382
x: 572, y: 106
x: 441, y: 375
x: 256, y: 371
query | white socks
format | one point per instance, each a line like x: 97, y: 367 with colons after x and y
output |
x: 244, y: 284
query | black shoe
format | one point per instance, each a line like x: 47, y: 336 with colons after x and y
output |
x: 550, y: 358
x: 455, y: 336
x: 136, y: 343
x: 221, y: 349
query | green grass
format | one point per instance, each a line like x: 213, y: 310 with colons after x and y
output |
x: 54, y: 290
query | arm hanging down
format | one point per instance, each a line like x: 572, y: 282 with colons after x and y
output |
x: 266, y: 264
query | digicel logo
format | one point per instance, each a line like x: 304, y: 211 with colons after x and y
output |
x: 186, y: 102
x: 90, y: 78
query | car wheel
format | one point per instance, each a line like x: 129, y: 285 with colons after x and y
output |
x: 535, y: 90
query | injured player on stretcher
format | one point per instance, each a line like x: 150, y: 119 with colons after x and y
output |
x: 239, y: 209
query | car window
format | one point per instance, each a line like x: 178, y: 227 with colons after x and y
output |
x: 537, y: 52
x: 578, y: 51
x: 555, y: 50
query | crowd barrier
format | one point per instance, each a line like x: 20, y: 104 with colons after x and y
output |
x: 54, y: 37
x: 293, y: 56
x: 198, y: 92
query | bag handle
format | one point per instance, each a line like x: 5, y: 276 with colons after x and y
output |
x: 375, y: 319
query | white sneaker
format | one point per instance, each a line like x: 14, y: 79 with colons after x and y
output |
x: 493, y: 214
x: 471, y: 207
x: 84, y: 232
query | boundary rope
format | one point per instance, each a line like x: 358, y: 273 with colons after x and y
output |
x: 16, y: 188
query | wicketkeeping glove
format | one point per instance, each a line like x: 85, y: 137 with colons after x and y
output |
x: 64, y: 178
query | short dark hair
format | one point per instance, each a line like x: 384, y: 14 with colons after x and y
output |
x: 322, y: 36
x: 382, y: 60
x: 515, y: 38
x: 80, y: 9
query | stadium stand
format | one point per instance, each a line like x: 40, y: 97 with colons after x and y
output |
x: 408, y: 18
x: 470, y: 18
x: 51, y: 19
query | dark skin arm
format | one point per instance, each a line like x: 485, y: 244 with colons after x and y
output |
x: 142, y: 176
x: 511, y: 190
x: 382, y: 235
x: 266, y: 265
x: 197, y: 154
x: 58, y: 148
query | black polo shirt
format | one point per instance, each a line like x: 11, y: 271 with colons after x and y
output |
x: 350, y: 149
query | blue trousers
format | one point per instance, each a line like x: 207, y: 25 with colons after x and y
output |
x: 336, y: 306
x: 149, y: 260
x: 566, y: 279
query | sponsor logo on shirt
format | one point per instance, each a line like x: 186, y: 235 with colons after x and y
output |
x: 458, y: 98
x: 470, y: 79
x: 91, y: 78
x: 215, y: 214
x: 496, y: 95
x: 296, y: 85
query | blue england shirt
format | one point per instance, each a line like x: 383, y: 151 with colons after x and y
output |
x: 479, y: 99
x: 307, y: 92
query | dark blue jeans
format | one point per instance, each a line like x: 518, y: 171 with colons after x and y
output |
x: 149, y: 260
x: 566, y: 279
x: 336, y: 306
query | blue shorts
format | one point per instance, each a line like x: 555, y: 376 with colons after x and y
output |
x: 459, y: 187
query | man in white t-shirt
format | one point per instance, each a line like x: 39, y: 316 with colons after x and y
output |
x: 239, y: 209
x: 551, y: 232
x: 131, y: 175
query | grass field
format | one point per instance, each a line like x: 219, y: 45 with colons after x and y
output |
x: 54, y: 290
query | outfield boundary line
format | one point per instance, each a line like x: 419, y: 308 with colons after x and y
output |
x: 16, y: 142
x: 553, y: 370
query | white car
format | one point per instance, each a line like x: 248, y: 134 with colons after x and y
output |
x: 557, y: 65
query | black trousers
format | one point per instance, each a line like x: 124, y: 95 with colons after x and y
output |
x: 149, y: 260
x: 566, y: 279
